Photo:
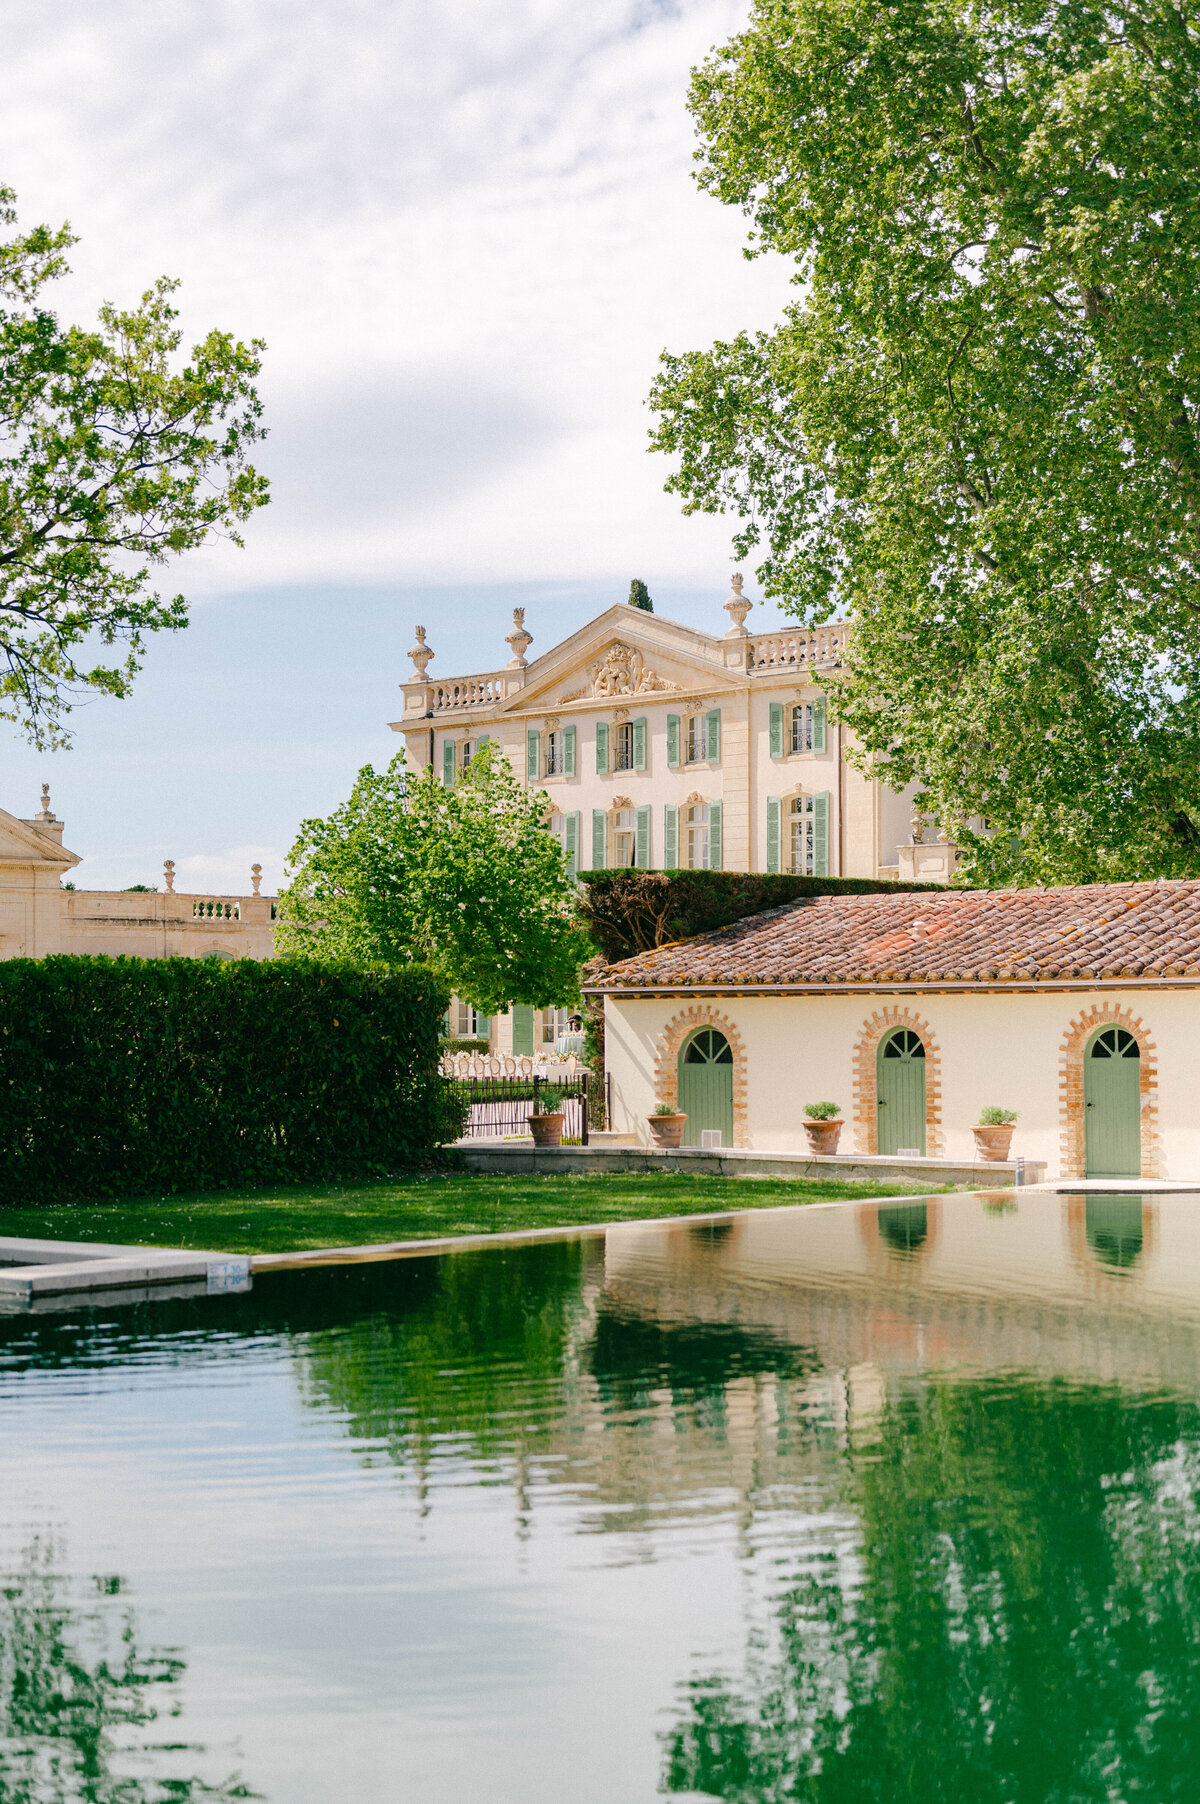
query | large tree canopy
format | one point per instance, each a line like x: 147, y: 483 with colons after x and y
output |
x: 112, y: 458
x: 976, y: 431
x: 465, y: 879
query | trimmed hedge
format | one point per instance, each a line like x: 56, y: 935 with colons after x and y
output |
x: 124, y: 1077
x: 630, y: 911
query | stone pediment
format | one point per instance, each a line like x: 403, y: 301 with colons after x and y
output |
x: 598, y: 664
x: 22, y: 844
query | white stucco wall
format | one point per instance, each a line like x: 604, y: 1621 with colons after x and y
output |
x: 993, y: 1048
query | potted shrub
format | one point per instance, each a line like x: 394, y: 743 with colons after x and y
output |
x: 993, y: 1133
x: 823, y: 1125
x: 546, y: 1116
x: 666, y: 1125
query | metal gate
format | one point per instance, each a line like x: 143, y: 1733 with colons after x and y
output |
x: 706, y: 1085
x: 900, y: 1075
x: 498, y: 1108
x: 1112, y: 1105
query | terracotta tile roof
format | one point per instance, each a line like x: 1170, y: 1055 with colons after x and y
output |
x: 1105, y: 932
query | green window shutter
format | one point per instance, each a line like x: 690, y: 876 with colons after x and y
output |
x: 672, y: 740
x: 533, y: 751
x: 777, y: 729
x: 773, y: 813
x: 712, y: 732
x: 522, y: 1014
x: 714, y: 835
x: 643, y: 839
x: 639, y: 744
x: 599, y: 838
x: 818, y: 720
x: 821, y: 834
x: 448, y: 763
x: 670, y: 839
x: 568, y: 751
x: 571, y: 843
x: 481, y: 742
x: 601, y: 751
x: 483, y: 1027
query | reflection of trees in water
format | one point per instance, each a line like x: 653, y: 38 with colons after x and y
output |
x: 1020, y: 1622
x: 76, y: 1695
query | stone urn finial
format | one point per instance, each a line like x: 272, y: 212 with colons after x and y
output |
x: 45, y: 815
x: 256, y: 877
x: 917, y: 826
x: 169, y: 874
x: 737, y: 607
x: 519, y: 639
x: 421, y: 653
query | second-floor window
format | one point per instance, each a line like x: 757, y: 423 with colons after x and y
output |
x: 803, y: 735
x: 624, y: 839
x: 696, y: 831
x: 623, y: 746
x: 695, y: 740
x: 554, y: 754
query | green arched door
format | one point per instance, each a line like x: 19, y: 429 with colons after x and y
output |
x: 900, y: 1076
x: 1112, y: 1105
x: 706, y: 1085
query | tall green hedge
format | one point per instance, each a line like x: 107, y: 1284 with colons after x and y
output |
x: 122, y: 1076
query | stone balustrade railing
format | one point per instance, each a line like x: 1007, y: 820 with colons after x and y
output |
x: 469, y: 692
x: 807, y: 648
x: 491, y: 1064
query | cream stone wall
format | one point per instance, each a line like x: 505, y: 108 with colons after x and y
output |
x: 996, y: 1047
x: 38, y: 917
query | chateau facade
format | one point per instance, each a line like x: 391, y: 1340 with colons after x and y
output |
x: 664, y: 747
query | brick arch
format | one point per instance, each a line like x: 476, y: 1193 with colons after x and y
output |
x: 866, y: 1083
x: 1070, y: 1086
x: 666, y: 1068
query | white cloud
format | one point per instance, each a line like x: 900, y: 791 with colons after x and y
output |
x: 466, y: 232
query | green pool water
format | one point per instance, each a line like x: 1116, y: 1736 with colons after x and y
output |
x: 831, y: 1504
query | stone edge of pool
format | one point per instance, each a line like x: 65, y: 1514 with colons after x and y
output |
x: 33, y: 1269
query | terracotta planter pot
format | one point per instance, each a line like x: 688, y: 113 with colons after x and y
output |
x: 823, y: 1136
x: 546, y: 1129
x: 993, y: 1142
x: 667, y: 1130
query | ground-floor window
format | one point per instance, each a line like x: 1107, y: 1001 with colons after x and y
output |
x: 804, y: 837
x: 624, y: 838
x: 696, y: 826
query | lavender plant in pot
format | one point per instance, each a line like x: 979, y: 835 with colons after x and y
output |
x: 993, y: 1133
x: 666, y: 1126
x: 823, y: 1125
x: 546, y: 1116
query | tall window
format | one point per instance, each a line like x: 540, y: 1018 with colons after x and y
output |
x: 555, y: 1021
x: 695, y: 740
x: 554, y: 754
x: 624, y: 838
x: 623, y: 746
x: 804, y: 836
x: 802, y: 727
x: 696, y: 828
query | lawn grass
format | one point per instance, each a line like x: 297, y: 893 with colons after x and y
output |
x: 420, y: 1207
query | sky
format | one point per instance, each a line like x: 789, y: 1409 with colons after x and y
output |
x: 465, y: 233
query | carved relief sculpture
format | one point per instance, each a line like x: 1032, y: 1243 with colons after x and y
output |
x: 622, y: 671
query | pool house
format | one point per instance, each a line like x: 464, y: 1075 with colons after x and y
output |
x: 1077, y: 1007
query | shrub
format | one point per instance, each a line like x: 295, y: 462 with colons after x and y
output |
x: 465, y: 1046
x: 822, y: 1111
x: 994, y: 1117
x: 125, y: 1076
x: 665, y: 1108
x: 635, y: 911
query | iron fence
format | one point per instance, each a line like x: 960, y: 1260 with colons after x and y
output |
x: 498, y: 1108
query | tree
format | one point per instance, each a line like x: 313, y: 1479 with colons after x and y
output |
x: 639, y: 596
x: 112, y: 458
x: 976, y: 430
x: 466, y: 879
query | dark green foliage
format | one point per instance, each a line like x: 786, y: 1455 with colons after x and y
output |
x: 635, y: 911
x: 120, y: 1077
x: 639, y: 596
x: 464, y: 1046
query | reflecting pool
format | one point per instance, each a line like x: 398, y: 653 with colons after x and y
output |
x: 836, y: 1504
